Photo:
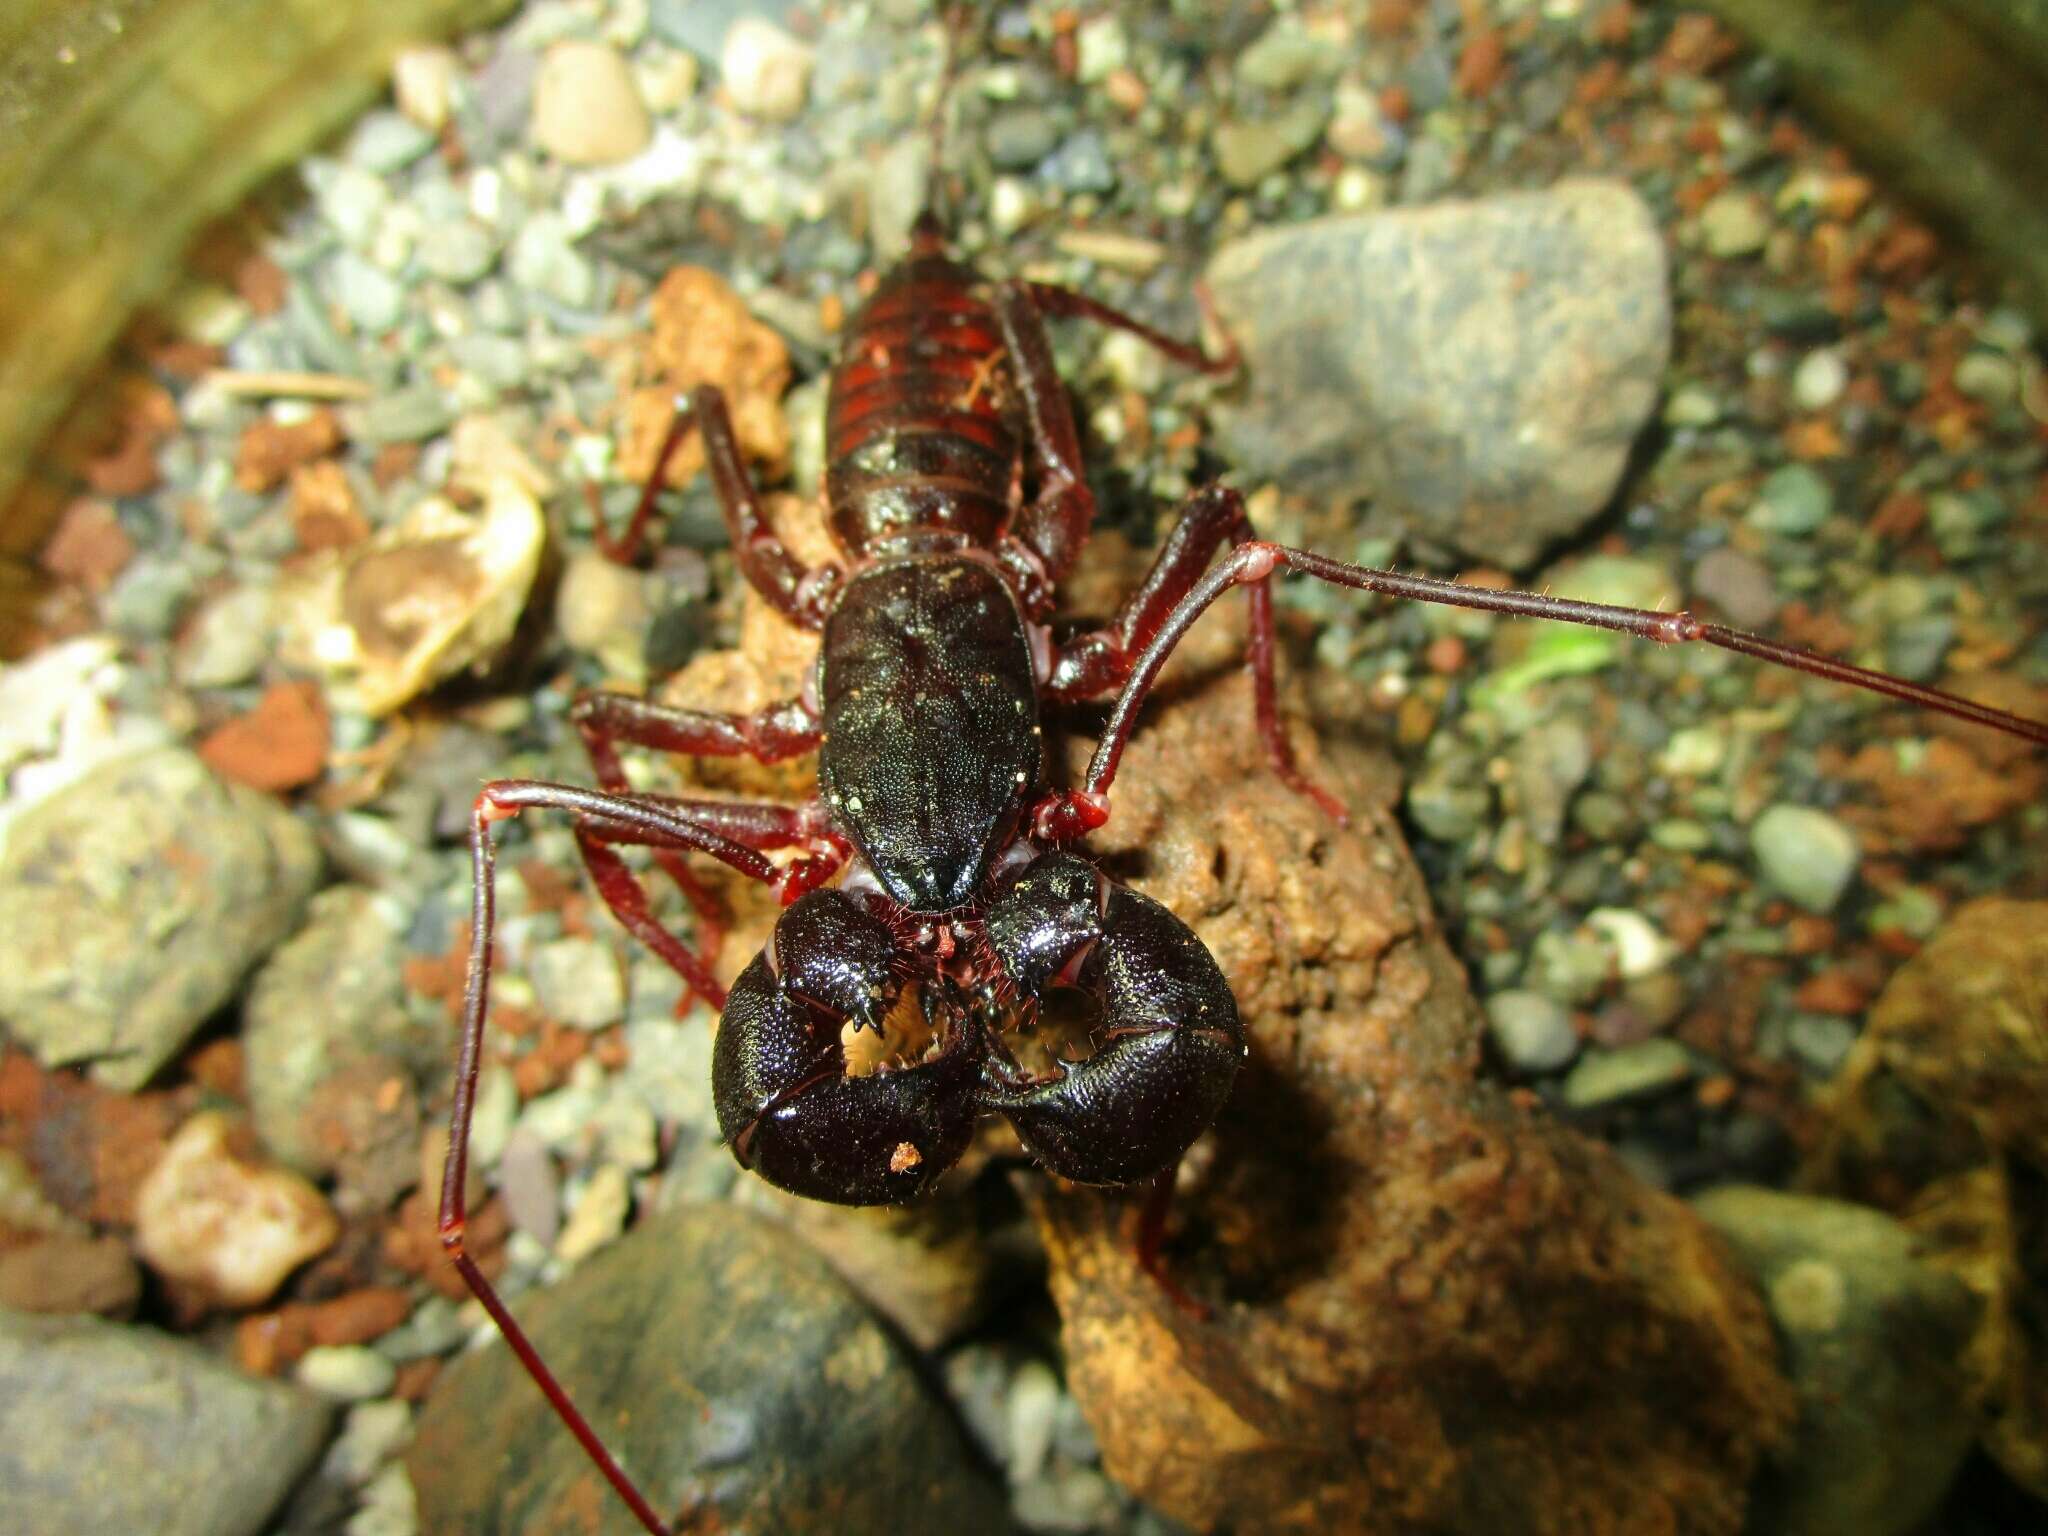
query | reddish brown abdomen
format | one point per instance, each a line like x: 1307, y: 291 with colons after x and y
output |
x: 919, y: 426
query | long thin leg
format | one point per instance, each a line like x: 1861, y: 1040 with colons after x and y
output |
x: 1070, y: 813
x: 756, y: 826
x: 1065, y: 303
x: 1052, y: 528
x: 454, y: 1205
x: 798, y: 592
x: 603, y: 720
x: 1101, y: 659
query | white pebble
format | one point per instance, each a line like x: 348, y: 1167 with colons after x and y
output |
x: 349, y: 1372
x: 230, y: 1228
x: 586, y: 106
x: 423, y: 80
x: 766, y: 71
x: 1819, y: 379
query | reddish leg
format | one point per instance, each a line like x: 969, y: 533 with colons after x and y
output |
x: 798, y: 592
x: 1070, y: 813
x: 1152, y: 1240
x: 1048, y: 532
x: 622, y: 818
x: 748, y: 824
x: 1095, y: 662
x: 603, y: 720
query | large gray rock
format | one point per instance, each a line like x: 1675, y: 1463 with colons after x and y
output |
x: 133, y: 901
x: 106, y: 1428
x: 1482, y: 368
x: 1874, y: 1341
x: 731, y: 1371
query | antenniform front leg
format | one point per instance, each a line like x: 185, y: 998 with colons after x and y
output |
x: 1170, y: 1040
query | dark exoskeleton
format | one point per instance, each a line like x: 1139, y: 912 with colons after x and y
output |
x: 955, y: 490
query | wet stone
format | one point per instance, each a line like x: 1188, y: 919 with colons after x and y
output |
x: 1873, y: 1339
x: 1017, y: 138
x: 180, y: 1443
x: 132, y: 902
x: 731, y: 1371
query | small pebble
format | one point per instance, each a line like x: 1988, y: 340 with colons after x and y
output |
x: 586, y: 105
x: 351, y: 1373
x: 1533, y: 1033
x: 1032, y: 1404
x: 1794, y: 500
x: 1609, y: 1076
x: 1987, y: 376
x: 1734, y: 223
x: 370, y: 1436
x: 766, y: 72
x: 423, y: 81
x: 1740, y: 585
x: 544, y: 258
x: 1819, y: 379
x: 228, y: 1228
x: 456, y: 250
x: 389, y: 1506
x: 599, y: 1216
x: 1806, y: 854
x: 577, y: 982
x: 369, y: 296
x: 530, y: 1187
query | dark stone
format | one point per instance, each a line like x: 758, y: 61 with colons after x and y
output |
x: 736, y: 1376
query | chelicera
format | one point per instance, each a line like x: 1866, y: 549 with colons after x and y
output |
x: 936, y: 868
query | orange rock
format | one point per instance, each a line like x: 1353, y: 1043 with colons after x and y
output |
x: 1424, y: 1291
x: 281, y: 744
x: 87, y: 546
x: 269, y: 450
x: 1833, y: 991
x: 359, y: 1316
x: 704, y: 334
x: 325, y: 514
x: 1482, y: 63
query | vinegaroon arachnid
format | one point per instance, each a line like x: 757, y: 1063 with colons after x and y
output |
x: 936, y: 868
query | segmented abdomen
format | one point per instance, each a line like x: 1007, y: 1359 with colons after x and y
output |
x: 919, y: 426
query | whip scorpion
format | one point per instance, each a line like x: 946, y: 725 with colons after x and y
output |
x: 936, y: 869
